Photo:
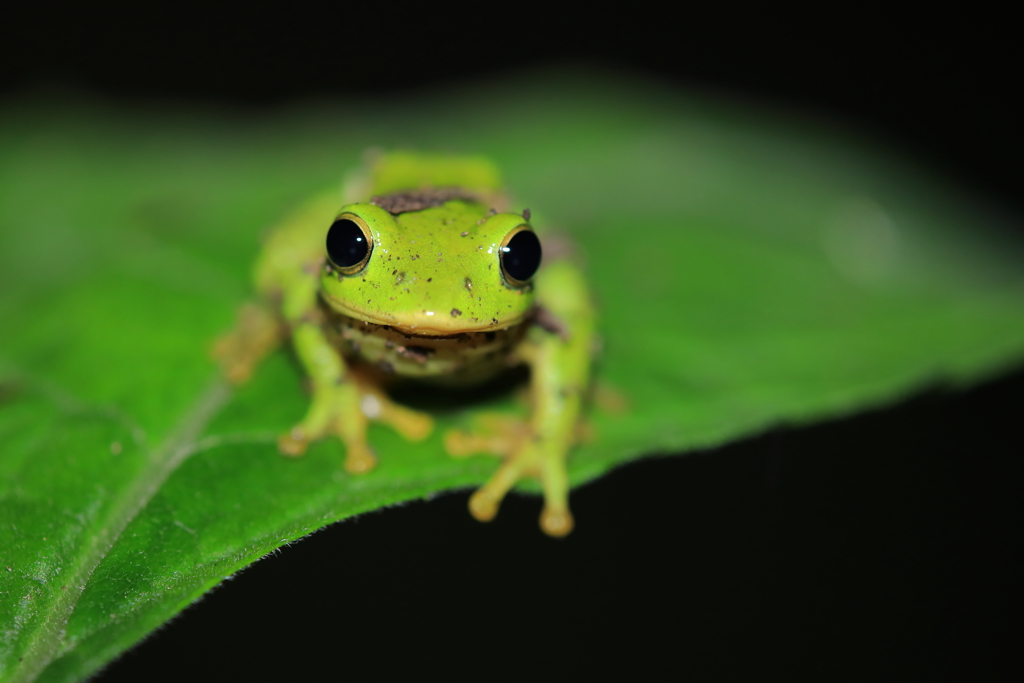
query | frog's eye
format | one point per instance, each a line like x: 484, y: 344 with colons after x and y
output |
x: 349, y: 243
x: 520, y: 255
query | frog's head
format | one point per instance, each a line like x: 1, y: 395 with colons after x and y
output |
x: 449, y: 268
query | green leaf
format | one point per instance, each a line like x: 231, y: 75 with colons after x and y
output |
x: 751, y: 271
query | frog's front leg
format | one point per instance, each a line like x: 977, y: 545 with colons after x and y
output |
x: 557, y: 349
x: 335, y: 405
x: 344, y: 400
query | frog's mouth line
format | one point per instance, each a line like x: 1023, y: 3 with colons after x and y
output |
x: 463, y: 356
x: 413, y: 340
x: 425, y: 324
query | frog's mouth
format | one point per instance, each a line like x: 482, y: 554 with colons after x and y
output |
x: 464, y: 358
x: 425, y: 322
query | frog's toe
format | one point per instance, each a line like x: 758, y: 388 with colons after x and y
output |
x: 293, y: 443
x: 359, y: 460
x: 483, y: 506
x: 416, y: 426
x: 484, y: 503
x: 236, y: 367
x: 556, y: 521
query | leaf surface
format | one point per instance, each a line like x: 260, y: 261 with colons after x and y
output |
x: 750, y: 271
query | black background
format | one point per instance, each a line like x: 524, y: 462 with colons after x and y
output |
x: 879, y: 544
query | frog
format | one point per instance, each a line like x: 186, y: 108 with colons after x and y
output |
x: 422, y: 271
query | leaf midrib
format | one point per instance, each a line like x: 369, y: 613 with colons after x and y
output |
x: 47, y: 636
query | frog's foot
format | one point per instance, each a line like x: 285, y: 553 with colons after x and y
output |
x: 343, y: 410
x: 334, y: 410
x: 256, y: 334
x: 524, y: 456
x: 495, y: 434
x: 377, y: 405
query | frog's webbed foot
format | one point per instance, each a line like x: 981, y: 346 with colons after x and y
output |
x: 524, y: 456
x: 257, y: 332
x: 344, y: 410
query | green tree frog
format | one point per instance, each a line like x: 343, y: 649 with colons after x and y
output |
x: 424, y: 274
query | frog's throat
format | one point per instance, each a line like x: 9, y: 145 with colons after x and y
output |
x: 425, y: 323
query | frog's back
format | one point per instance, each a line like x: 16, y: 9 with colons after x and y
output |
x: 401, y: 171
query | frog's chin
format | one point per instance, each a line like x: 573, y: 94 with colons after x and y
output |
x: 426, y: 323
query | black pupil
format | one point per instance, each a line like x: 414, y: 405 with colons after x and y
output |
x: 521, y: 256
x: 346, y: 243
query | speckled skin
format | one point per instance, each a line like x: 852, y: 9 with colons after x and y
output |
x: 432, y: 303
